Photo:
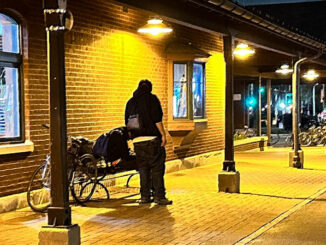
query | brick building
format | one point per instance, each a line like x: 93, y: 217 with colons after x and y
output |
x: 105, y: 59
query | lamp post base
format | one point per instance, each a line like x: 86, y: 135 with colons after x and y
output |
x: 59, y: 235
x: 296, y: 161
x: 229, y: 182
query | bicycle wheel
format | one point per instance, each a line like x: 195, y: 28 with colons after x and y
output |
x: 304, y: 139
x: 275, y: 139
x: 38, y: 193
x: 289, y: 141
x: 84, y: 178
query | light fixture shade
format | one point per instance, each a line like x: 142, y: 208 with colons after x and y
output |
x: 155, y: 26
x: 310, y: 75
x: 242, y: 50
x: 284, y: 69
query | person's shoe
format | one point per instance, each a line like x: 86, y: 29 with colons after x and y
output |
x: 144, y: 200
x: 163, y: 201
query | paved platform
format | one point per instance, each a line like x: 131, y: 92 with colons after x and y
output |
x: 274, y: 199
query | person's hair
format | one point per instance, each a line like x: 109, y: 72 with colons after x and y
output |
x: 145, y: 85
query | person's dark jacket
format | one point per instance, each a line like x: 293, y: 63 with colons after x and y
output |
x: 149, y: 109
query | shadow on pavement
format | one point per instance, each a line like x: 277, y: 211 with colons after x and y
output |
x: 128, y: 220
x: 109, y: 203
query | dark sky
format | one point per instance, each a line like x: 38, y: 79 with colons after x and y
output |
x: 262, y: 2
x: 307, y: 17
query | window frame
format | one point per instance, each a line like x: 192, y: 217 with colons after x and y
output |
x: 15, y: 60
x: 189, y: 78
x: 203, y: 64
x: 190, y: 102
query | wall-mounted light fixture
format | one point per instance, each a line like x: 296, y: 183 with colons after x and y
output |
x: 284, y: 69
x: 310, y: 75
x: 155, y: 26
x: 242, y: 51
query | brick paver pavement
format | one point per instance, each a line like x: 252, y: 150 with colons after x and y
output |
x: 306, y: 226
x: 199, y: 214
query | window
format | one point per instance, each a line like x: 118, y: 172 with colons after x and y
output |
x: 180, y: 91
x: 198, y: 83
x: 188, y: 97
x: 10, y: 88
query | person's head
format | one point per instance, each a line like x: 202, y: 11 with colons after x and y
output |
x: 145, y: 85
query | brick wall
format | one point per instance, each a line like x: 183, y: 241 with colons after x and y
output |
x: 105, y: 59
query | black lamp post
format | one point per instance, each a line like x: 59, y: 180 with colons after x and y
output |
x: 59, y: 214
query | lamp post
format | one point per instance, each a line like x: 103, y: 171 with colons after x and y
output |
x: 59, y: 229
x: 229, y: 178
x: 269, y: 112
x: 314, y: 99
x: 54, y: 15
x: 259, y: 105
x: 296, y: 156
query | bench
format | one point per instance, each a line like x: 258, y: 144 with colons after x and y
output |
x: 106, y: 174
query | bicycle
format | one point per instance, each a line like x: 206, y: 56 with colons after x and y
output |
x: 244, y: 133
x: 82, y: 177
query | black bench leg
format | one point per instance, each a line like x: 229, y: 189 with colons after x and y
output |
x: 127, y: 184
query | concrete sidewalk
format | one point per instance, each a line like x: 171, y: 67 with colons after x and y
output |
x: 271, y: 194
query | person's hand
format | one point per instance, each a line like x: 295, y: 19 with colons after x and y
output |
x: 163, y: 141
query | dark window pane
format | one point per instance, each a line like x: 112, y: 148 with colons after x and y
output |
x: 9, y: 35
x: 180, y: 91
x: 198, y: 90
x: 9, y: 103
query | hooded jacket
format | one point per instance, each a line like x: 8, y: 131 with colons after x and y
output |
x: 149, y: 109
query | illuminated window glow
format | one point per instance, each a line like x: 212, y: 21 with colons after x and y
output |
x: 10, y: 104
x: 188, y: 82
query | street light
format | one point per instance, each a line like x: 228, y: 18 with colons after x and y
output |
x: 314, y: 99
x: 155, y: 26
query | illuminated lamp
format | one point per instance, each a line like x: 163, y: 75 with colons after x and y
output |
x: 310, y: 75
x: 155, y: 26
x: 242, y: 50
x: 284, y: 69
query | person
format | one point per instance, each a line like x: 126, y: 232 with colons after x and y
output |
x: 149, y: 143
x: 113, y: 146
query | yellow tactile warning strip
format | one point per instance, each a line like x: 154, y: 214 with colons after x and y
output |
x: 272, y: 223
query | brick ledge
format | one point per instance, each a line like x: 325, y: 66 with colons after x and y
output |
x: 27, y: 146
